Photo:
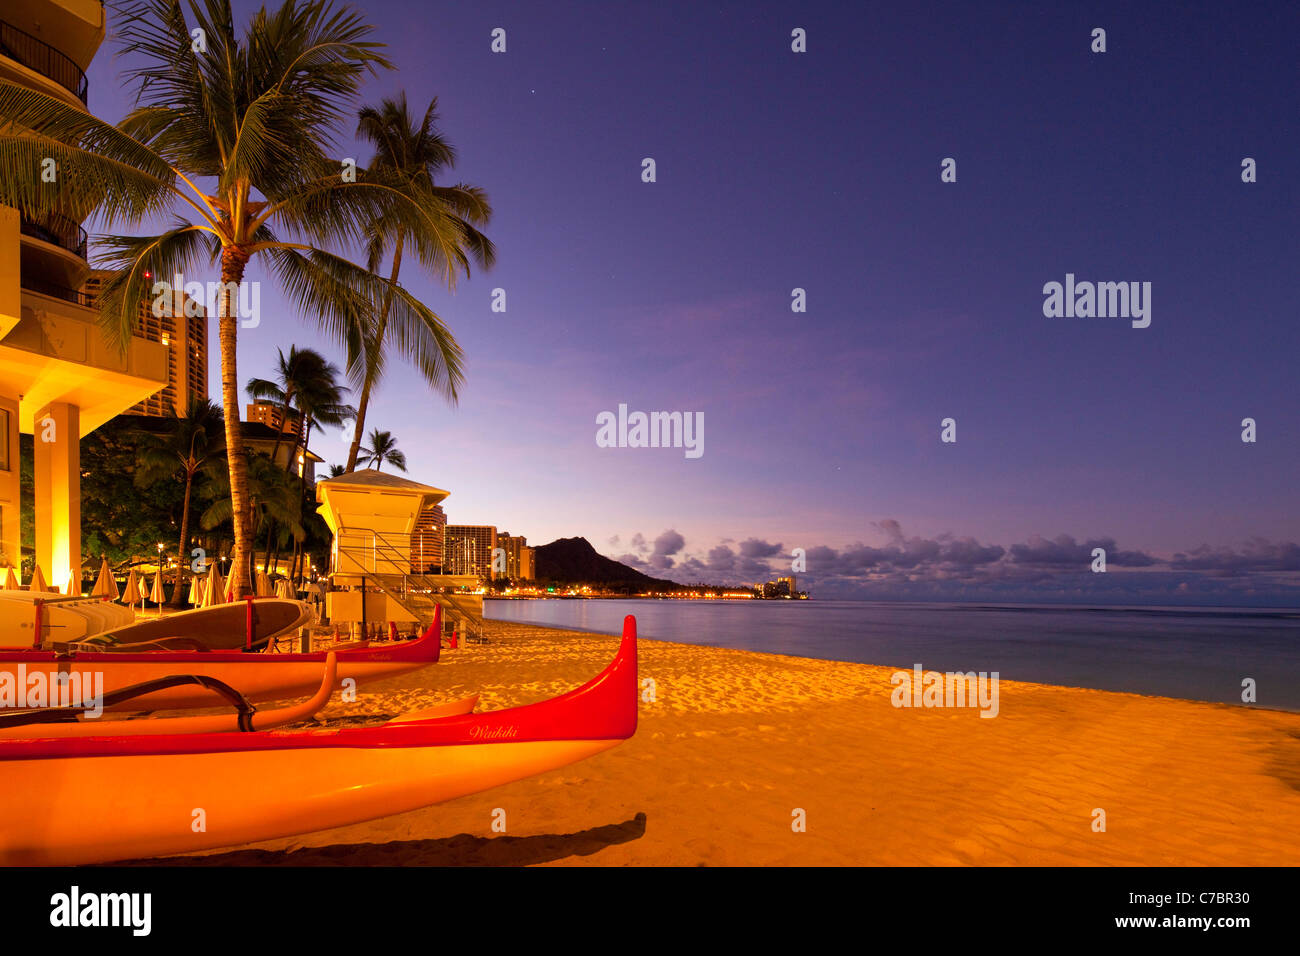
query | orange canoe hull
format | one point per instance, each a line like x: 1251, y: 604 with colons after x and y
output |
x: 155, y: 805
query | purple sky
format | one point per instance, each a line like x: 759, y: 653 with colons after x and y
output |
x: 821, y: 170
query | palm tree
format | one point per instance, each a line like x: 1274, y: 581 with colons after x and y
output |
x: 414, y: 153
x: 233, y: 137
x: 319, y: 403
x: 281, y: 393
x: 188, y: 444
x: 336, y: 470
x: 383, y: 450
x: 272, y: 495
x: 306, y: 386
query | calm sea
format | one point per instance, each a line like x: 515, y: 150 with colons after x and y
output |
x: 1196, y: 653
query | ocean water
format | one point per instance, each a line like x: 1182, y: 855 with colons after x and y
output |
x: 1194, y: 653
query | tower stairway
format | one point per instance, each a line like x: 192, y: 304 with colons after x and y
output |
x: 368, y: 559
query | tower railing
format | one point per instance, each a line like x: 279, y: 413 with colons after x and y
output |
x: 44, y: 59
x: 382, y: 561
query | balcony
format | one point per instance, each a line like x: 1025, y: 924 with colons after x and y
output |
x: 58, y: 292
x: 42, y: 58
x: 57, y: 352
x: 58, y: 231
x: 53, y: 255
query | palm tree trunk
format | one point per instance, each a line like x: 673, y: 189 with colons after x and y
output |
x: 360, y: 424
x: 302, y: 475
x: 233, y: 262
x: 178, y: 597
x: 300, y: 547
x: 292, y: 462
x: 288, y: 399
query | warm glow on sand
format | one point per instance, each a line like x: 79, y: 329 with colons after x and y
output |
x: 737, y: 740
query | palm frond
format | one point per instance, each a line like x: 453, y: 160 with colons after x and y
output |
x: 138, y: 264
x: 316, y: 282
x: 96, y: 165
x: 261, y: 389
x: 346, y: 297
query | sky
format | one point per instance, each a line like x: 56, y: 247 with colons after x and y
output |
x: 778, y: 170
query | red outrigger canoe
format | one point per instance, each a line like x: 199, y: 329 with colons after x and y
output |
x: 155, y: 790
x: 257, y: 676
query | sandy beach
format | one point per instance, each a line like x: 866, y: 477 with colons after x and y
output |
x: 735, y: 742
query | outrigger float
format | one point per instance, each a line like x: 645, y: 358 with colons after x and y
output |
x: 256, y: 676
x: 258, y: 786
x: 83, y: 720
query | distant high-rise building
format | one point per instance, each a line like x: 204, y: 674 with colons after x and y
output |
x: 185, y: 336
x: 528, y: 564
x: 428, y: 540
x: 519, y: 557
x: 780, y: 588
x: 468, y: 549
x: 273, y: 417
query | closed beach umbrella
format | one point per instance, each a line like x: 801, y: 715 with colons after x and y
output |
x: 74, y: 584
x: 215, y: 592
x: 156, y: 593
x: 196, y: 590
x: 38, y: 581
x: 105, y: 585
x: 284, y: 589
x: 131, y: 594
x: 11, y: 581
x: 263, y: 585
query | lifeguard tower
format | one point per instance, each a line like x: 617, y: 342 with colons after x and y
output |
x: 373, y: 516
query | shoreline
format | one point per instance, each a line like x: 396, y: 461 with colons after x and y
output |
x: 559, y: 629
x: 736, y: 741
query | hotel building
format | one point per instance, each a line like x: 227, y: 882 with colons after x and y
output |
x: 274, y: 417
x: 269, y: 431
x: 428, y: 540
x: 186, y: 338
x: 519, y: 557
x: 59, y: 378
x: 278, y: 446
x: 468, y: 549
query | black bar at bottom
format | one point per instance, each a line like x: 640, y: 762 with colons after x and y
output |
x: 943, y: 906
